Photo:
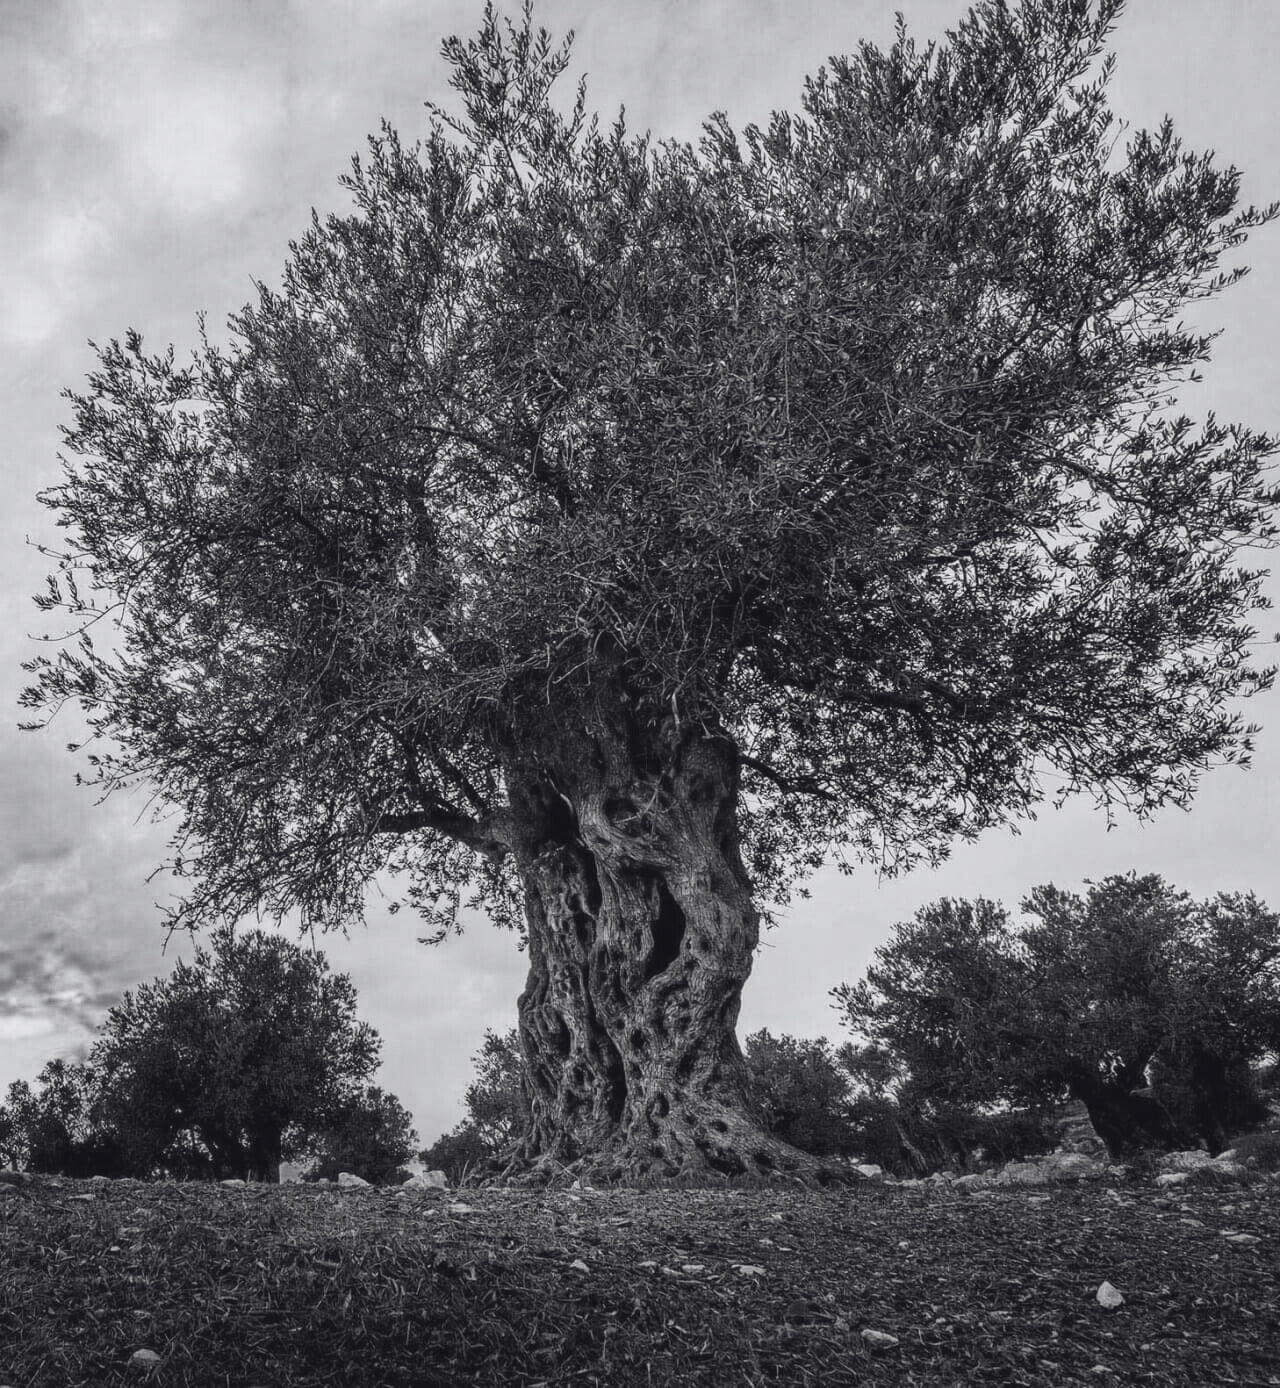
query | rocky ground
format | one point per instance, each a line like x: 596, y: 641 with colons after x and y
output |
x: 1028, y: 1275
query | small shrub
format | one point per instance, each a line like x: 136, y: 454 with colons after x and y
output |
x: 458, y: 1153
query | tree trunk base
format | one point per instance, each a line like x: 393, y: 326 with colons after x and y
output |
x: 739, y: 1156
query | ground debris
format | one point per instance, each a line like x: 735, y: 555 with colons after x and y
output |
x: 302, y: 1285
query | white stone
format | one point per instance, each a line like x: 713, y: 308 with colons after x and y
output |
x: 234, y: 1181
x: 1109, y: 1297
x: 1172, y: 1178
x: 1216, y: 1173
x: 350, y: 1181
x: 870, y: 1170
x: 1021, y: 1173
x: 1184, y: 1161
x: 427, y: 1180
x: 144, y: 1359
x: 1073, y: 1166
x: 879, y: 1339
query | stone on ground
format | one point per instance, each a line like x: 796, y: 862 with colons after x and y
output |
x: 1109, y: 1297
x: 427, y: 1180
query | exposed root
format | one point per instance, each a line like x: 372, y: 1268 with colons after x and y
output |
x: 706, y: 1161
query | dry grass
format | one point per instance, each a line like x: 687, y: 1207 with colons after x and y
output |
x: 299, y: 1285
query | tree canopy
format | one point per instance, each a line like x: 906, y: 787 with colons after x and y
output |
x: 621, y: 526
x: 56, y: 1127
x: 802, y: 1091
x: 846, y: 438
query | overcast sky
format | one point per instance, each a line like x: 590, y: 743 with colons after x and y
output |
x: 156, y: 155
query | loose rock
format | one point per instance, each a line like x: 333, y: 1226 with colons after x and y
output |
x: 1073, y: 1166
x: 1184, y: 1161
x: 427, y: 1180
x: 1109, y: 1297
x: 1220, y: 1173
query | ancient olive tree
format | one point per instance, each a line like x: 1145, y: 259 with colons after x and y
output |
x: 612, y: 530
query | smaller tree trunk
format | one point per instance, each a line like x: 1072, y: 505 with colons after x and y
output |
x: 1224, y: 1098
x: 1128, y: 1123
x: 230, y: 1161
x: 265, y: 1154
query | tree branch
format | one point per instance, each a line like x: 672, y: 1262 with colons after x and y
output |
x: 799, y: 785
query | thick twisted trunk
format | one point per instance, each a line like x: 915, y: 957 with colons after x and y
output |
x: 641, y: 934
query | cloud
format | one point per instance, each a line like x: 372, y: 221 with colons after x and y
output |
x: 127, y: 130
x: 78, y: 923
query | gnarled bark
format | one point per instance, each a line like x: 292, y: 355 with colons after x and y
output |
x: 641, y: 933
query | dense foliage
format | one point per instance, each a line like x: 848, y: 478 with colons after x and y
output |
x: 911, y: 1129
x: 55, y: 1128
x: 1090, y: 997
x: 801, y: 1091
x: 249, y: 1047
x: 846, y: 438
x: 497, y: 1110
x: 371, y: 1137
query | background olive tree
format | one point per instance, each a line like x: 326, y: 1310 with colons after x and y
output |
x: 1087, y: 997
x: 371, y: 1136
x: 252, y: 1049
